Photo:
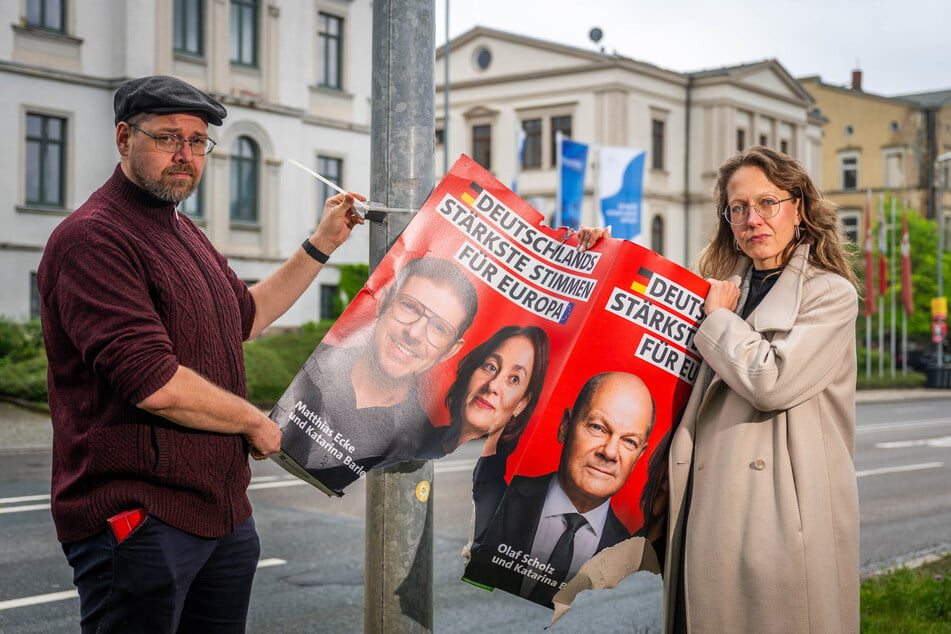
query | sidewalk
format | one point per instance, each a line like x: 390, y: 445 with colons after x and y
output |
x: 24, y: 429
x: 899, y: 394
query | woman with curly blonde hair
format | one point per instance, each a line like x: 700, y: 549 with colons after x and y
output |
x: 762, y: 524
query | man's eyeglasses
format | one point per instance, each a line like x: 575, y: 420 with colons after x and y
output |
x: 172, y: 143
x: 766, y: 207
x: 408, y: 310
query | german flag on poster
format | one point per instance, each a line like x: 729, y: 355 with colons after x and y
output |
x: 641, y: 280
x: 470, y: 194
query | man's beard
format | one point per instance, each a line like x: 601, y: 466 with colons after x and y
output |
x: 164, y: 187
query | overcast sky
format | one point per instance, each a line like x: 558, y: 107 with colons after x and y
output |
x: 901, y: 46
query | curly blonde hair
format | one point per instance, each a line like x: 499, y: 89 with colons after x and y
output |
x: 819, y: 225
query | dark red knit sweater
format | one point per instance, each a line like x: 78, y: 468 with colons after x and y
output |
x: 130, y: 289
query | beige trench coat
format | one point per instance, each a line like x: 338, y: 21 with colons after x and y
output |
x: 772, y: 541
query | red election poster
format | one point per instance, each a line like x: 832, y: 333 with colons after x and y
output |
x: 482, y: 323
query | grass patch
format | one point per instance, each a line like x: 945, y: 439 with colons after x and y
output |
x: 874, y: 382
x: 909, y: 600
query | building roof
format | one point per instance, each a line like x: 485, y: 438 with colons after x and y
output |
x: 936, y: 98
x: 740, y: 71
x: 737, y: 72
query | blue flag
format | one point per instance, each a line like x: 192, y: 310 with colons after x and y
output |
x: 520, y: 137
x: 620, y: 188
x: 572, y: 162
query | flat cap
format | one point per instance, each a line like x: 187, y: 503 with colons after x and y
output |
x: 163, y: 95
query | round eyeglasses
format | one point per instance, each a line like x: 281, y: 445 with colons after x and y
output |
x: 408, y: 310
x: 172, y: 143
x: 765, y: 207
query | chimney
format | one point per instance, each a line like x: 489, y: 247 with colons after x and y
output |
x: 857, y: 80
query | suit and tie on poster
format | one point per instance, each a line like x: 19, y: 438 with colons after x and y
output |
x: 482, y: 325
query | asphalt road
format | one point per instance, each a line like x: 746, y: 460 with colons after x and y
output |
x: 311, y: 575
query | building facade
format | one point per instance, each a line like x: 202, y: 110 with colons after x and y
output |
x: 687, y: 123
x: 294, y: 76
x: 880, y: 145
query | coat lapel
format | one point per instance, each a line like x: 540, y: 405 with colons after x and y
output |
x: 778, y: 310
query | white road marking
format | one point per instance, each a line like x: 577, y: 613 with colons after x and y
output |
x: 270, y: 563
x: 289, y: 482
x: 911, y: 424
x: 38, y: 599
x: 25, y: 507
x: 910, y: 467
x: 24, y: 498
x: 944, y: 441
x: 73, y: 594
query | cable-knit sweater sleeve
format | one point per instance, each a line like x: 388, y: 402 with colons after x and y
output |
x: 105, y: 310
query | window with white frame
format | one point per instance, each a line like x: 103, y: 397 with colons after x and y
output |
x: 894, y: 168
x: 189, y: 27
x: 561, y: 123
x: 482, y: 145
x: 850, y: 225
x: 194, y: 205
x: 657, y: 235
x: 329, y: 301
x: 34, y: 297
x: 541, y: 127
x: 245, y: 177
x: 532, y: 152
x: 49, y: 15
x: 330, y: 51
x: 244, y: 32
x: 658, y: 143
x: 848, y: 171
x: 330, y: 168
x: 45, y: 160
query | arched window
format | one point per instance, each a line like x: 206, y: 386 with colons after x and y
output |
x: 657, y: 235
x: 245, y: 177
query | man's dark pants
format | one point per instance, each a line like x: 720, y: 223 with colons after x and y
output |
x: 161, y: 579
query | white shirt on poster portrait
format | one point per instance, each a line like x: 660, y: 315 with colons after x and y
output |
x: 551, y: 525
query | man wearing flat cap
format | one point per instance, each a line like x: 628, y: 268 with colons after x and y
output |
x: 143, y: 322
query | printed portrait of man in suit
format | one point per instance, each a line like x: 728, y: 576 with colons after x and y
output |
x: 547, y: 526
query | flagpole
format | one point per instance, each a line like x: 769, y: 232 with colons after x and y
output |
x: 881, y: 295
x: 904, y: 312
x: 904, y: 343
x: 596, y: 188
x: 891, y: 277
x: 869, y: 300
x: 559, y: 212
x: 881, y: 337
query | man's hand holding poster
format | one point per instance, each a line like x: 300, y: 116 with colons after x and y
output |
x: 482, y: 323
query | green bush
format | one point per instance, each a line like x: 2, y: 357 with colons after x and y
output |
x: 273, y: 361
x: 352, y: 279
x: 25, y: 380
x: 19, y: 342
x: 862, y: 355
x: 874, y: 381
